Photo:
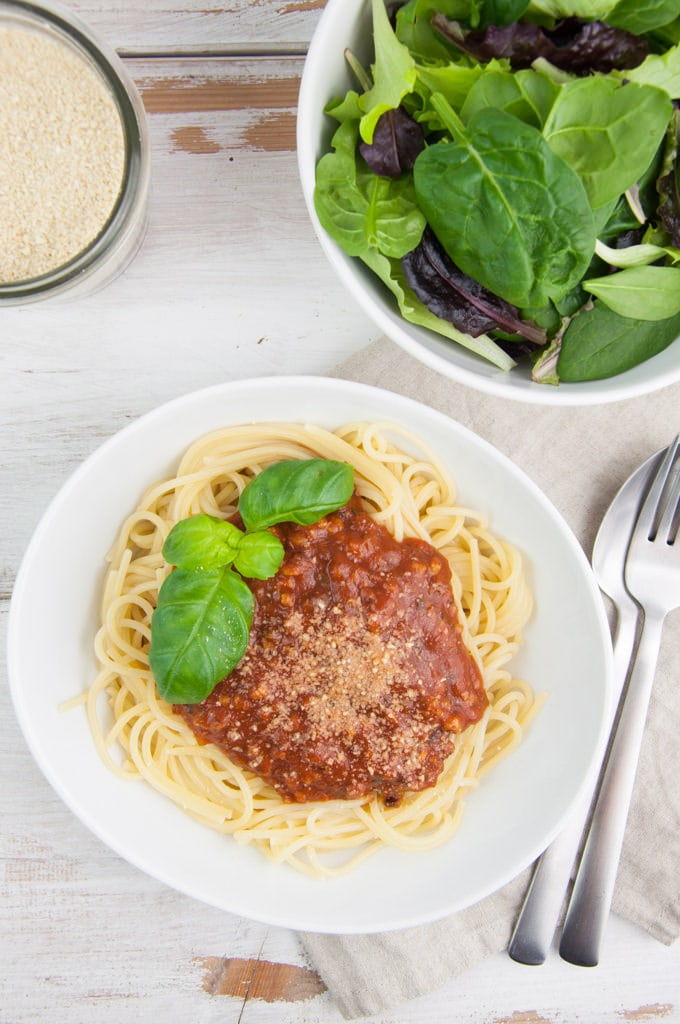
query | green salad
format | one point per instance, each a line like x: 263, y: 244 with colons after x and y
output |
x: 511, y: 172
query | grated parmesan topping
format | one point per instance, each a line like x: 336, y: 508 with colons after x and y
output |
x: 355, y: 679
x: 62, y: 154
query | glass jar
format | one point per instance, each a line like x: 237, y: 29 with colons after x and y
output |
x: 117, y: 221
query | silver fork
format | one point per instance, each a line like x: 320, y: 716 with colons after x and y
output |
x: 653, y: 579
x: 537, y: 921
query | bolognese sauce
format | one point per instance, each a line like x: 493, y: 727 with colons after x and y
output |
x: 356, y: 678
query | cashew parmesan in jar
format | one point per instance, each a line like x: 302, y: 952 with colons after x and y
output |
x: 62, y: 153
x: 74, y: 156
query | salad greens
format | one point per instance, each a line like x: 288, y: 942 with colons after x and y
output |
x: 201, y: 624
x: 510, y: 170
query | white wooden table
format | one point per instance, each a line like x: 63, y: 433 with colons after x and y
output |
x: 230, y: 283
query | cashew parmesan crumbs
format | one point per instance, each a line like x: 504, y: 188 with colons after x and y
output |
x: 62, y: 154
x: 356, y: 679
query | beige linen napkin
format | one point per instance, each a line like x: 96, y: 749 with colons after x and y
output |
x: 579, y: 457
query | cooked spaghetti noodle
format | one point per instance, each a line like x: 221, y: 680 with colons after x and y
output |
x: 139, y: 735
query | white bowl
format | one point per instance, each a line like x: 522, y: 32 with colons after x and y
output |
x: 347, y: 24
x: 508, y: 821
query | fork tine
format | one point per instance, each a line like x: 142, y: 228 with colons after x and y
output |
x: 652, y: 512
x: 668, y: 526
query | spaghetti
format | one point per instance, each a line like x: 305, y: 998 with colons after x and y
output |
x: 139, y: 735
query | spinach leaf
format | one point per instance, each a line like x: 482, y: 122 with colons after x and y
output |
x: 501, y: 12
x: 296, y: 491
x: 642, y: 18
x: 199, y: 632
x: 527, y: 95
x: 599, y: 343
x: 362, y: 210
x: 507, y: 210
x: 648, y: 293
x: 608, y: 133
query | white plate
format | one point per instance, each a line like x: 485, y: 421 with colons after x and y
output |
x: 326, y: 76
x: 508, y: 821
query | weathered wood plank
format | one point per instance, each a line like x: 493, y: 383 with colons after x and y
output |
x: 238, y: 26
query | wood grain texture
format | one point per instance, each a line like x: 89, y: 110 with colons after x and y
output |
x: 237, y: 26
x: 259, y: 979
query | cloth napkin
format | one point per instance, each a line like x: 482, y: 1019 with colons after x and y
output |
x: 579, y: 457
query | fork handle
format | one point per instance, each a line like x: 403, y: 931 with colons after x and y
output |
x: 594, y: 885
x: 537, y: 921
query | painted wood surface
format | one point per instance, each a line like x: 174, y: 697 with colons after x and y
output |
x: 238, y: 26
x: 230, y: 283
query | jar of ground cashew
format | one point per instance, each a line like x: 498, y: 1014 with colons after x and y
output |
x: 74, y: 156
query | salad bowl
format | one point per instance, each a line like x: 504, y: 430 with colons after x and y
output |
x: 346, y: 62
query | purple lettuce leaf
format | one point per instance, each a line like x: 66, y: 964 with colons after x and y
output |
x: 453, y: 296
x: 397, y: 141
x: 573, y: 45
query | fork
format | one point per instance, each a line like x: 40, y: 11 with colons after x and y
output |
x: 652, y: 576
x: 550, y: 880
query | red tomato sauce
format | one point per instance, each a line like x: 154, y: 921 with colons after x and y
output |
x: 356, y: 678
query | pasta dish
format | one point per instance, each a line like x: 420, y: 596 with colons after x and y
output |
x: 404, y: 487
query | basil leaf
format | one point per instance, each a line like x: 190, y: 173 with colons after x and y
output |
x: 509, y: 212
x: 259, y: 555
x: 296, y: 491
x: 599, y: 343
x: 608, y: 133
x: 199, y: 632
x: 648, y: 293
x: 201, y: 542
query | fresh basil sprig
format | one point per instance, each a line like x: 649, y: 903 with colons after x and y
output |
x: 201, y: 625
